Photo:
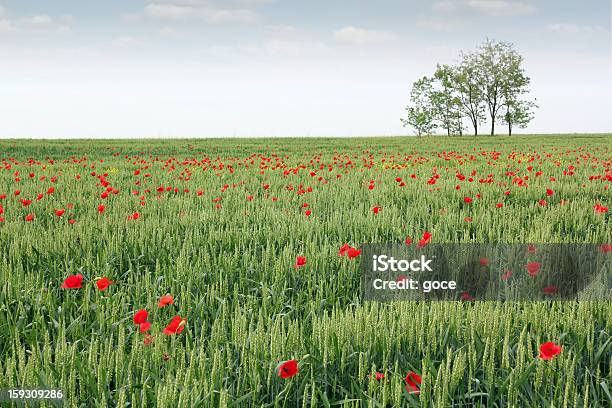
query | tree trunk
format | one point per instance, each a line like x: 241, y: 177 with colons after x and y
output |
x: 509, y: 128
x: 492, y: 127
x: 475, y: 128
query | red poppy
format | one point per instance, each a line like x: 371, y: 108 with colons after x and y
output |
x: 288, y: 369
x: 425, y: 240
x: 376, y: 209
x: 148, y: 340
x: 73, y: 282
x: 141, y: 316
x: 499, y: 205
x: 467, y: 297
x: 307, y: 213
x: 408, y: 241
x: 353, y: 253
x: 604, y: 248
x: 101, y: 208
x: 549, y: 290
x: 467, y: 200
x: 600, y: 208
x: 103, y: 284
x: 484, y: 262
x: 165, y: 301
x: 549, y: 350
x: 299, y: 261
x: 144, y: 327
x: 377, y: 376
x: 60, y: 212
x: 507, y: 274
x: 542, y: 203
x: 176, y: 326
x: 533, y: 268
x: 343, y: 249
x: 549, y: 192
x: 532, y: 249
x: 413, y: 383
x: 72, y: 221
x: 29, y: 217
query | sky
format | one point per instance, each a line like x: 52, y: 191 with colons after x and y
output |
x: 251, y: 68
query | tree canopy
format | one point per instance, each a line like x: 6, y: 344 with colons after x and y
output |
x: 487, y: 84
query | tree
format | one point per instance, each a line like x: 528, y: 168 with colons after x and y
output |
x: 421, y: 112
x: 517, y: 113
x: 501, y: 76
x: 445, y: 101
x: 467, y: 85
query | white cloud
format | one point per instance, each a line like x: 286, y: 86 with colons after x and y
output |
x: 209, y: 14
x: 34, y: 23
x: 6, y: 26
x: 487, y: 7
x: 576, y: 29
x: 360, y: 36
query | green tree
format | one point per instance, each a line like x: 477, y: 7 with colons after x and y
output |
x: 501, y: 76
x: 446, y: 102
x: 517, y: 113
x: 466, y: 82
x: 421, y: 112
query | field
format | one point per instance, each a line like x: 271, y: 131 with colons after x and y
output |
x: 245, y: 236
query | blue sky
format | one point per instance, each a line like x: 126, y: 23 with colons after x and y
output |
x: 205, y: 68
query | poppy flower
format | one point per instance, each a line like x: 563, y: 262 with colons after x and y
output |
x: 467, y: 297
x: 542, y: 203
x: 307, y: 213
x: 101, y: 208
x: 549, y: 350
x: 29, y: 217
x: 507, y: 274
x: 73, y: 282
x: 408, y: 241
x: 600, y: 208
x: 343, y: 249
x: 549, y: 192
x: 484, y: 262
x: 166, y: 300
x: 176, y: 326
x: 467, y: 200
x: 377, y: 376
x: 532, y: 249
x: 140, y: 316
x: 413, y: 383
x: 299, y: 261
x: 499, y: 205
x: 604, y: 248
x: 353, y: 253
x: 376, y: 210
x: 288, y: 369
x: 144, y: 327
x: 425, y: 240
x: 549, y: 290
x: 533, y: 268
x: 103, y: 284
x: 60, y: 212
x: 148, y: 340
x: 72, y: 221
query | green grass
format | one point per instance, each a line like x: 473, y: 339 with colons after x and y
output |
x: 231, y: 272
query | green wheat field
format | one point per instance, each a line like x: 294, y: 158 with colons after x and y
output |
x: 245, y: 235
